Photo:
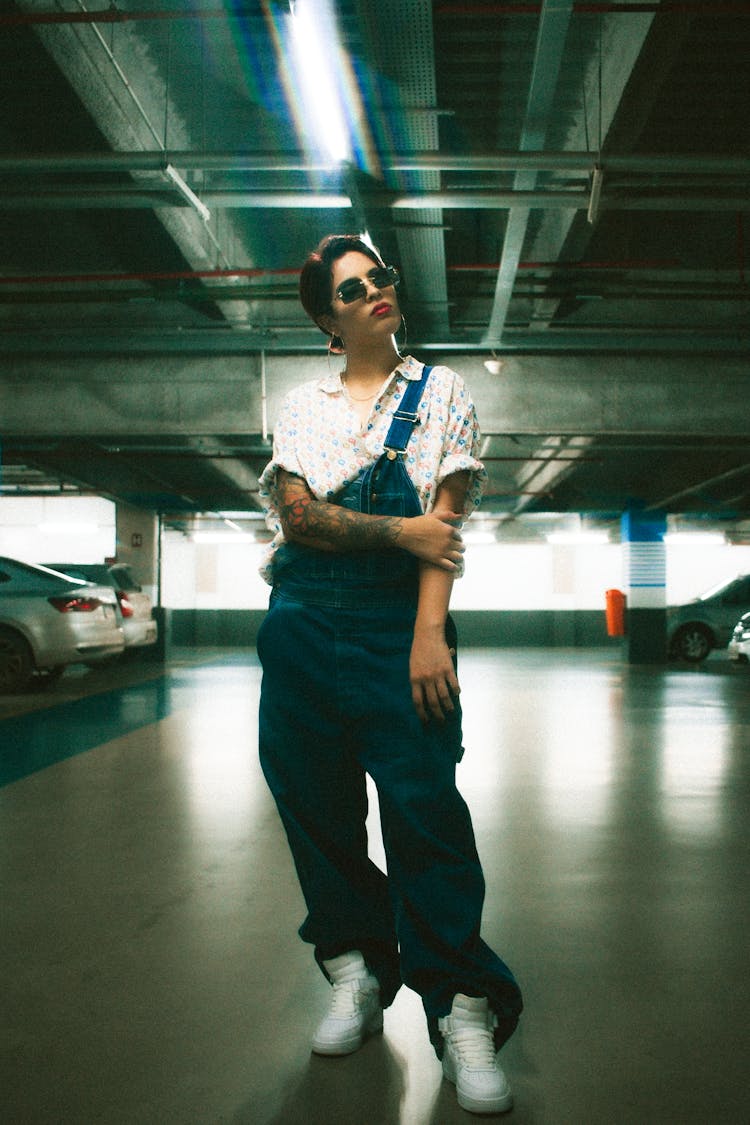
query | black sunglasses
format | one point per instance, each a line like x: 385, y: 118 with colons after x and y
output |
x: 354, y: 287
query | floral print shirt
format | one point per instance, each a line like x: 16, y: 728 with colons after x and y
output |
x: 319, y: 437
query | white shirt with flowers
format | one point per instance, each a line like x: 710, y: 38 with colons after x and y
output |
x: 319, y: 437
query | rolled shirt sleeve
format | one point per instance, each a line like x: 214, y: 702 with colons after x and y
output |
x: 462, y: 443
x: 318, y: 437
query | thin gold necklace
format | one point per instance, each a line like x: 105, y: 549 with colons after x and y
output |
x: 355, y: 398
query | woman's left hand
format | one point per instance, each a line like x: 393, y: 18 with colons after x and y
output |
x: 433, y: 678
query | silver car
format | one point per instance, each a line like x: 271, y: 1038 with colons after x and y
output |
x: 697, y: 627
x: 138, y: 623
x: 49, y: 620
x: 739, y: 645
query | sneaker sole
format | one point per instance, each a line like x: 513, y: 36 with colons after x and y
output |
x: 499, y: 1105
x: 349, y: 1046
x: 474, y: 1105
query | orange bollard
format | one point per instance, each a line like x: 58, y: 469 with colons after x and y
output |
x: 615, y: 613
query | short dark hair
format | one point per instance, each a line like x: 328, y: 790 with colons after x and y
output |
x: 316, y: 276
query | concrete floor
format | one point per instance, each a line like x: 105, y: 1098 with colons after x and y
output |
x: 151, y: 971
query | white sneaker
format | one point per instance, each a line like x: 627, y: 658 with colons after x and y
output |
x: 469, y: 1057
x: 355, y: 1011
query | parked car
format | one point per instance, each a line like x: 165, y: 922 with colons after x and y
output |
x: 49, y: 620
x: 707, y: 622
x: 135, y: 606
x: 739, y: 643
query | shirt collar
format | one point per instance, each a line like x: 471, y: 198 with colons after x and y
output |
x: 409, y: 367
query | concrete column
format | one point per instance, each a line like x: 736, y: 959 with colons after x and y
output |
x: 644, y: 553
x: 138, y: 546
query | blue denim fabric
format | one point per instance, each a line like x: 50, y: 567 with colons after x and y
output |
x: 336, y: 705
x: 389, y: 576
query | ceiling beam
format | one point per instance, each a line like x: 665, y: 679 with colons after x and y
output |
x: 550, y: 46
x: 700, y: 487
x: 132, y: 398
x: 633, y: 63
x: 400, y: 42
x: 133, y: 108
x: 703, y: 164
x: 228, y: 466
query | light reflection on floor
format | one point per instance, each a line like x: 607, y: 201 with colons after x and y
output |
x: 152, y: 970
x: 222, y: 783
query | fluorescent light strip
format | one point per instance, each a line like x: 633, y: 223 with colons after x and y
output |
x: 314, y: 38
x: 695, y: 538
x: 577, y: 538
x: 187, y: 193
x: 69, y: 528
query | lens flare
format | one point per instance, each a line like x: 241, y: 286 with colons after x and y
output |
x: 323, y: 91
x: 314, y: 45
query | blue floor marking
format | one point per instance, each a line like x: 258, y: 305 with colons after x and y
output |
x: 38, y: 739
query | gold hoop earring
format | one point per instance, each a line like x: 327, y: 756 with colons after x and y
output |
x: 335, y: 347
x: 402, y: 343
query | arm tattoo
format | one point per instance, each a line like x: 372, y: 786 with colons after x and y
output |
x: 307, y: 520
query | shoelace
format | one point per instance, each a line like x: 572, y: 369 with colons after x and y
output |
x: 344, y: 999
x: 474, y: 1047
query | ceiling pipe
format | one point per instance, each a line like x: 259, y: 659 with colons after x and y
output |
x: 160, y: 140
x: 122, y: 198
x: 77, y: 198
x: 707, y: 164
x: 591, y: 7
x: 293, y: 272
x: 145, y: 275
x: 581, y: 7
x: 114, y: 14
x: 39, y: 291
x: 302, y: 340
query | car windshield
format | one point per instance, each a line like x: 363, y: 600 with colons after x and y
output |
x: 22, y: 573
x: 719, y: 589
x: 88, y: 573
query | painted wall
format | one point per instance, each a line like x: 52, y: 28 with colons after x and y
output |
x: 499, y: 576
x: 238, y: 628
x: 57, y: 528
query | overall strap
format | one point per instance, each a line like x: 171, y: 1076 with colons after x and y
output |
x: 405, y: 417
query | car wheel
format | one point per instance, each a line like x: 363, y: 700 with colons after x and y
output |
x: 16, y: 661
x: 692, y: 643
x: 49, y: 676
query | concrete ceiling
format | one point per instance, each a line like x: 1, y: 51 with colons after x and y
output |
x: 564, y: 186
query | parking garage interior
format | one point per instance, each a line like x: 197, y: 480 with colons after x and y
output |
x: 564, y: 189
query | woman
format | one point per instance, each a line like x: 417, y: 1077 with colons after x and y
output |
x: 359, y: 677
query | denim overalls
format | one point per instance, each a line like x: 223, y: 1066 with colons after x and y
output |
x: 336, y: 704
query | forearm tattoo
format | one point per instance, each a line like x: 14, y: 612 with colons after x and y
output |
x: 306, y: 519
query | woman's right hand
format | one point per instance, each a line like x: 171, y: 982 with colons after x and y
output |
x: 434, y: 538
